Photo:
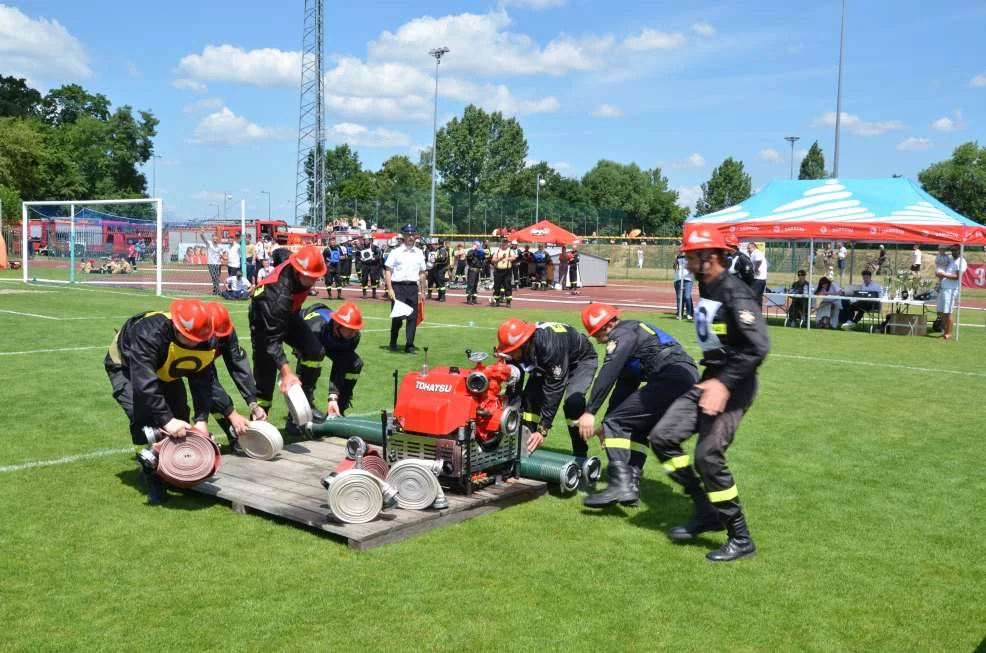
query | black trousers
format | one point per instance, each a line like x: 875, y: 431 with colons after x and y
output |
x: 346, y: 368
x: 629, y: 420
x: 265, y: 370
x: 174, y: 396
x: 437, y: 279
x: 407, y: 292
x: 502, y: 290
x: 715, y: 435
x: 472, y: 283
x: 370, y: 277
x: 540, y: 274
x: 573, y: 404
x: 758, y: 287
x: 333, y: 279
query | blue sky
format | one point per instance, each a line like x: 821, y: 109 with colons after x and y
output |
x: 678, y: 85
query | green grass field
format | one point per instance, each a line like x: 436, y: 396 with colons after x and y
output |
x: 859, y: 465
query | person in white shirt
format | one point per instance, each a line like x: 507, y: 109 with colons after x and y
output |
x: 213, y: 259
x: 951, y: 277
x: 264, y: 270
x: 237, y: 287
x: 232, y: 258
x: 759, y: 262
x: 843, y: 252
x: 405, y: 276
x: 860, y: 308
x: 640, y: 258
x: 682, y: 288
x: 916, y: 260
x: 829, y: 304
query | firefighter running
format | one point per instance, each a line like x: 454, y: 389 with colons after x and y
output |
x: 733, y: 337
x: 275, y: 319
x: 636, y: 353
x: 560, y: 364
x: 146, y: 362
x: 338, y: 332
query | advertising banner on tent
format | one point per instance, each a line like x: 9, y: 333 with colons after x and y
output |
x: 975, y: 276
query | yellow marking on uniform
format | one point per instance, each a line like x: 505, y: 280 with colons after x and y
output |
x: 723, y: 495
x: 674, y: 464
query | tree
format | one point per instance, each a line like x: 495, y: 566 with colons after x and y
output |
x: 813, y: 165
x: 17, y: 99
x: 68, y: 103
x: 626, y: 197
x: 401, y: 184
x: 34, y: 168
x: 728, y: 185
x: 960, y: 182
x: 11, y: 206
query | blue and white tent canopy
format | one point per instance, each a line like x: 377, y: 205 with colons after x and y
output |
x: 880, y: 210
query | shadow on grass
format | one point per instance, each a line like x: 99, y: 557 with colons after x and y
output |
x: 177, y: 498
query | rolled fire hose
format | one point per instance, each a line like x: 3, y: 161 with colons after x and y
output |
x: 591, y: 467
x: 186, y: 462
x: 357, y: 496
x: 372, y: 462
x: 346, y: 427
x: 539, y: 468
x: 417, y: 484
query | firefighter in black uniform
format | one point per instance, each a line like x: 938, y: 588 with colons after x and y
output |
x: 475, y: 260
x: 502, y: 260
x: 438, y: 274
x: 147, y: 360
x: 333, y: 254
x: 733, y: 337
x: 560, y: 363
x: 238, y: 367
x: 370, y: 262
x: 338, y: 332
x: 540, y: 259
x: 345, y: 263
x: 275, y: 319
x: 636, y: 352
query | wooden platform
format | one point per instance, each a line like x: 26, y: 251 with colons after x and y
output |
x: 289, y: 486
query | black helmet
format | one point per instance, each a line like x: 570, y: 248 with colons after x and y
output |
x: 409, y: 230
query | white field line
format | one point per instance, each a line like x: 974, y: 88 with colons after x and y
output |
x: 50, y: 351
x: 892, y: 366
x: 102, y: 453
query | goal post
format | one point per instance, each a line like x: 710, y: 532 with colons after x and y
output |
x: 53, y: 242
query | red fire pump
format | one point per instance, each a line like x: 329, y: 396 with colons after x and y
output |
x: 467, y: 418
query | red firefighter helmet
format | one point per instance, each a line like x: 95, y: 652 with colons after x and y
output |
x: 222, y: 325
x: 349, y: 316
x: 595, y: 316
x: 192, y: 319
x: 732, y: 242
x: 308, y: 261
x: 512, y: 334
x: 704, y: 238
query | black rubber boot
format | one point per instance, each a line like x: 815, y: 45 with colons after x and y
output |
x: 338, y: 293
x: 374, y: 291
x: 739, y: 545
x: 636, y: 473
x: 619, y: 490
x: 704, y: 520
x: 364, y: 293
x: 441, y: 295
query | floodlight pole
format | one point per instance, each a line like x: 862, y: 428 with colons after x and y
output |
x: 438, y: 53
x: 243, y: 237
x: 160, y: 246
x: 154, y: 159
x: 792, y: 140
x: 267, y: 193
x: 537, y: 195
x: 838, y: 92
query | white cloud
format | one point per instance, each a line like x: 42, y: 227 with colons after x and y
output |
x: 352, y: 77
x: 226, y: 128
x: 39, y: 48
x: 535, y: 5
x: 913, y: 144
x: 190, y: 85
x: 227, y: 63
x: 979, y: 81
x: 132, y: 69
x: 695, y: 160
x: 704, y: 29
x: 607, y: 111
x: 410, y: 108
x: 651, y: 39
x: 947, y: 125
x: 360, y: 136
x: 688, y: 195
x: 853, y: 124
x: 770, y: 155
x: 563, y: 168
x: 203, y: 105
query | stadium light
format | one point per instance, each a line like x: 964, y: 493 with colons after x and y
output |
x: 537, y: 195
x: 154, y: 159
x: 226, y: 196
x: 267, y: 193
x: 838, y: 92
x: 792, y: 140
x: 438, y: 53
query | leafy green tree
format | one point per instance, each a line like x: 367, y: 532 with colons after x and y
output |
x: 728, y: 185
x: 960, y: 182
x: 400, y: 186
x: 813, y: 165
x: 11, y: 206
x: 17, y: 99
x: 32, y: 166
x: 68, y: 103
x: 623, y: 193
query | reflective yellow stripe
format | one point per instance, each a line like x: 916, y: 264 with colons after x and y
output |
x: 258, y: 291
x: 352, y: 376
x: 265, y: 403
x: 140, y: 447
x: 719, y: 329
x: 572, y: 422
x: 647, y: 329
x: 723, y: 495
x: 618, y: 443
x: 639, y: 447
x: 676, y: 463
x: 310, y: 363
x: 312, y: 315
x: 530, y: 417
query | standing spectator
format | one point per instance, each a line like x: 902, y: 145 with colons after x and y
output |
x: 502, y: 264
x: 916, y: 260
x: 213, y: 259
x: 951, y: 278
x: 759, y: 262
x: 251, y: 259
x: 640, y: 257
x: 233, y: 258
x: 405, y: 279
x: 141, y: 248
x: 563, y: 258
x: 262, y: 252
x: 132, y: 253
x: 682, y: 288
x: 881, y: 259
x: 841, y: 255
x: 459, y: 256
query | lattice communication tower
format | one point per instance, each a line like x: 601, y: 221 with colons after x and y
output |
x: 309, y: 203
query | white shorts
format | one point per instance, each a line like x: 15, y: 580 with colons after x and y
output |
x: 946, y: 300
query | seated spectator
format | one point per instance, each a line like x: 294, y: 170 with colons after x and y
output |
x: 827, y: 313
x: 237, y: 287
x: 860, y: 308
x: 797, y: 308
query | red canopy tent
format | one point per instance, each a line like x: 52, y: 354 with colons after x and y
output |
x: 545, y: 232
